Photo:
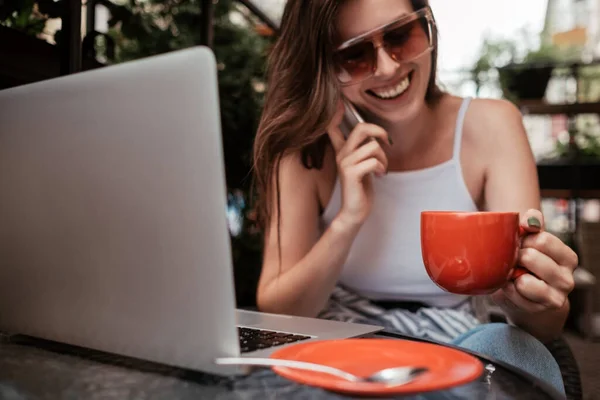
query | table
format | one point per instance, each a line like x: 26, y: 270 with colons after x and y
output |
x: 30, y: 369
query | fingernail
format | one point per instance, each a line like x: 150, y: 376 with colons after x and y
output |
x: 534, y: 222
x: 390, y: 140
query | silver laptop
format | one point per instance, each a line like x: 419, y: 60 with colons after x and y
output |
x: 113, y: 232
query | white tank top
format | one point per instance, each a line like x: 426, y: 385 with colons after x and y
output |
x: 385, y: 262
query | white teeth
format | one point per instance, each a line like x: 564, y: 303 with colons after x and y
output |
x: 396, y: 91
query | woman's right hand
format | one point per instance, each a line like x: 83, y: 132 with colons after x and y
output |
x: 357, y: 157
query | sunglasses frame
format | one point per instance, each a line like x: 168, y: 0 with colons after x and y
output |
x: 379, y: 32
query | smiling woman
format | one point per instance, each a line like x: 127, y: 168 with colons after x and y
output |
x: 408, y: 39
x: 342, y: 213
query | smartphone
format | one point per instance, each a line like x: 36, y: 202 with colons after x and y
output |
x: 351, y: 118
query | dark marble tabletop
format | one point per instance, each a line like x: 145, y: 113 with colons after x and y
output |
x: 30, y: 369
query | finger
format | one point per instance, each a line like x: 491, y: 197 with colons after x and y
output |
x: 499, y: 297
x: 333, y: 130
x: 532, y: 221
x: 546, y: 269
x: 514, y: 300
x: 369, y: 166
x: 539, y: 264
x: 552, y: 247
x: 362, y: 133
x: 368, y: 150
x: 534, y: 290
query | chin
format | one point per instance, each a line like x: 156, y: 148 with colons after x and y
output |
x: 399, y: 100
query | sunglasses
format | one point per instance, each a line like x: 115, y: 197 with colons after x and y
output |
x: 404, y: 40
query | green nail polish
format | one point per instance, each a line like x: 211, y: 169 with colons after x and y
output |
x: 534, y: 222
x: 390, y: 140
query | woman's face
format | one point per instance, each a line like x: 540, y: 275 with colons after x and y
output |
x: 395, y: 92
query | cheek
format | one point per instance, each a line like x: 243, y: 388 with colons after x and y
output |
x: 352, y: 93
x: 425, y: 69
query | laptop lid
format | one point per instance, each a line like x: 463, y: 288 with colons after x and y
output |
x: 113, y: 231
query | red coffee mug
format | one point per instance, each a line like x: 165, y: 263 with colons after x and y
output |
x: 471, y: 253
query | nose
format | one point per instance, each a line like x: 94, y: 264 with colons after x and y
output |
x: 386, y: 65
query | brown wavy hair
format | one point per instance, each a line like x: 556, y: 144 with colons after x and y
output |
x: 302, y: 95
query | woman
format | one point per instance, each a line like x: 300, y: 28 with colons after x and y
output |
x: 341, y: 214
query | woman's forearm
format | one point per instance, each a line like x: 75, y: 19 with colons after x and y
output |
x: 305, y: 288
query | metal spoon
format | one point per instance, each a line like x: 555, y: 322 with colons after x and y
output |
x: 395, y: 376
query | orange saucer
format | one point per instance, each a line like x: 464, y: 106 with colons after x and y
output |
x: 362, y: 357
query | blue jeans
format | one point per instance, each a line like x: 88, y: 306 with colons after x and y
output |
x: 515, y: 347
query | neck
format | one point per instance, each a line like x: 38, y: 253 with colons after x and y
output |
x: 409, y: 135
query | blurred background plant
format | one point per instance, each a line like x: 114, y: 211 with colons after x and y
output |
x: 586, y: 143
x: 142, y: 28
x: 28, y: 16
x: 520, y: 66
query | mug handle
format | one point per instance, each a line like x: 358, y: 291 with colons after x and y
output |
x: 520, y: 271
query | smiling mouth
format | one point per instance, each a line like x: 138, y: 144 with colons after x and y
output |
x: 392, y: 92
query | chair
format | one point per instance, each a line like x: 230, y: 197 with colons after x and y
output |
x: 561, y: 351
x: 587, y: 240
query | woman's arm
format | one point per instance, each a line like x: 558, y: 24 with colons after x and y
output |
x: 537, y: 303
x: 310, y: 264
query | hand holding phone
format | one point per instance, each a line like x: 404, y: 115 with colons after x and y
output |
x: 351, y: 118
x: 359, y: 154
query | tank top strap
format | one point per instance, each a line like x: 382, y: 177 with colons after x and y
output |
x: 458, y: 130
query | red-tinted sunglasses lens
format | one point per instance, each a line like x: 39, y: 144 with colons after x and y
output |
x: 409, y: 41
x: 403, y: 43
x: 356, y: 62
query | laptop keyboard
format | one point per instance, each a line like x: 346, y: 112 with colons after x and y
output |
x: 257, y: 339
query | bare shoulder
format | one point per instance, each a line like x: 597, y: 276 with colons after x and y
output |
x: 293, y: 174
x: 495, y: 122
x: 511, y: 180
x: 310, y: 184
x: 499, y: 107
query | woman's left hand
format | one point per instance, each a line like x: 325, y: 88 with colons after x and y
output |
x: 551, y: 264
